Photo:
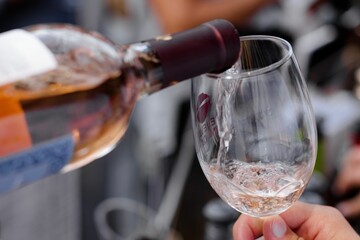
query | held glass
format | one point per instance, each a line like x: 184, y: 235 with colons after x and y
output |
x: 254, y: 128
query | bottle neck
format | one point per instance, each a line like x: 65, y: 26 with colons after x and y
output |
x: 168, y: 59
x: 144, y: 63
x: 211, y: 47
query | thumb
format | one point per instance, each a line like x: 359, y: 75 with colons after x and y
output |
x: 275, y: 228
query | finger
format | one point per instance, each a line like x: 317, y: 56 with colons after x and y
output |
x: 347, y: 178
x: 354, y: 154
x: 275, y: 228
x: 302, y: 216
x: 305, y: 211
x: 349, y: 174
x: 247, y: 228
x: 317, y: 222
x: 351, y: 207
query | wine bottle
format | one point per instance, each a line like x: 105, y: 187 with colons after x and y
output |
x: 67, y: 94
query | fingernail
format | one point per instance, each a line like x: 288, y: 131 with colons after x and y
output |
x: 278, y: 227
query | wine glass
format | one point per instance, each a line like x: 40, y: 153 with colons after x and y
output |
x: 254, y: 128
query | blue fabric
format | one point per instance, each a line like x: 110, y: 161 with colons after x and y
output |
x: 36, y: 163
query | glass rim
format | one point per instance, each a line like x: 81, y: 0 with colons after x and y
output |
x: 285, y: 58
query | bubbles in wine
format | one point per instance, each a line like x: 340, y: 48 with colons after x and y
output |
x: 260, y: 163
x: 257, y: 189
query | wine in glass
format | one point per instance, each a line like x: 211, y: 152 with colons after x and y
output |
x: 254, y: 128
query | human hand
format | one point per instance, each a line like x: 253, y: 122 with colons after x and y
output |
x: 301, y: 221
x: 348, y: 178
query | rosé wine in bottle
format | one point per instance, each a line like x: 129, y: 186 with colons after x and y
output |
x: 67, y: 94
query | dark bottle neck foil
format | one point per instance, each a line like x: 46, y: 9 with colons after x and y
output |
x: 212, y: 47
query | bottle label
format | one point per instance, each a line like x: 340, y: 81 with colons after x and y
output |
x: 23, y: 55
x: 35, y: 163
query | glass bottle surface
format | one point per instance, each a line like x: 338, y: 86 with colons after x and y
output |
x: 68, y: 116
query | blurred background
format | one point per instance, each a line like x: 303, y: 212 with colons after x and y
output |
x: 151, y: 186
